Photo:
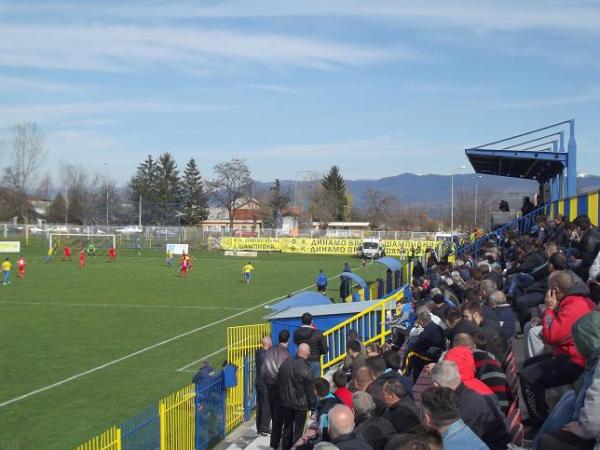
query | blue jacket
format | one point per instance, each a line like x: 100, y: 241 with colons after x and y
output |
x: 321, y: 280
x: 459, y: 436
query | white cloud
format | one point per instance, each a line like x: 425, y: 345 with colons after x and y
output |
x: 12, y: 83
x: 127, y: 48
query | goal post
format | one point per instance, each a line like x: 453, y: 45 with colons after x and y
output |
x: 103, y: 241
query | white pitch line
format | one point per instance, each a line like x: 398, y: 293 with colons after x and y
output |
x: 144, y: 350
x: 184, y: 368
x: 123, y: 305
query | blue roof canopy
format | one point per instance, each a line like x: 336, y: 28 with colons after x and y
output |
x: 362, y: 283
x: 306, y: 298
x: 391, y: 263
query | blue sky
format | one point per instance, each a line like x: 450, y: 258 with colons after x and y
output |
x: 377, y: 87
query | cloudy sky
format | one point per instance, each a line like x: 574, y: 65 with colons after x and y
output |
x: 377, y: 87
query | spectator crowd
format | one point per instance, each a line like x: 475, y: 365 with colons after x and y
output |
x: 494, y: 350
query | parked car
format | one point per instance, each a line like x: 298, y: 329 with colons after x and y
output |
x: 163, y: 232
x: 58, y: 229
x: 130, y: 229
x: 36, y: 230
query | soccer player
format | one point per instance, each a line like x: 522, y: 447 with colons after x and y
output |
x: 169, y: 258
x: 112, y: 254
x: 183, y: 268
x: 49, y: 255
x: 247, y: 271
x: 91, y: 249
x: 6, y: 266
x: 67, y: 253
x: 188, y: 259
x: 21, y: 265
x: 82, y: 258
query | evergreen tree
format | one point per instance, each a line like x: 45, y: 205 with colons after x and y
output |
x: 57, y: 209
x: 194, y: 198
x: 335, y: 193
x: 168, y: 187
x: 278, y: 201
x: 143, y: 183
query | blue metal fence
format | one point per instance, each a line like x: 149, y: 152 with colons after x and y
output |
x: 210, y: 412
x: 142, y: 431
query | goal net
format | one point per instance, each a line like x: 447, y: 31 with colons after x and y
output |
x: 101, y: 242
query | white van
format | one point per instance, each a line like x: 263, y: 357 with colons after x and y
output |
x: 372, y: 248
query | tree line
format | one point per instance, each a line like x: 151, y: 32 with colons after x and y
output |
x: 171, y: 195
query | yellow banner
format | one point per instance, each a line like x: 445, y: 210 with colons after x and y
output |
x: 323, y: 246
x: 10, y: 246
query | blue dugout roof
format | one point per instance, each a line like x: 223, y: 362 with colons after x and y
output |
x: 306, y: 298
x: 362, y: 283
x: 391, y: 263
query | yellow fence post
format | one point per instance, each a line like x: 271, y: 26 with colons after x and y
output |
x: 163, y: 433
x: 382, y: 332
x: 109, y: 440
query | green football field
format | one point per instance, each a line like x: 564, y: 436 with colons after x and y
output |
x: 81, y: 350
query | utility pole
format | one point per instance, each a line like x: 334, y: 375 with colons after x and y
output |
x: 106, y: 182
x: 140, y: 211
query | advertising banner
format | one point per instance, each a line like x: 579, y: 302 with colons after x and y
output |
x: 10, y: 246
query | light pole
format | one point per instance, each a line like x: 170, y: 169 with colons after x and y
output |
x: 106, y: 182
x: 452, y: 203
x: 296, y: 186
x: 479, y: 177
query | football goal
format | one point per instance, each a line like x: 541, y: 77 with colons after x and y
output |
x: 81, y: 240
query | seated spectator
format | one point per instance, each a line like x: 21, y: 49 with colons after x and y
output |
x: 355, y: 357
x: 376, y: 367
x: 479, y: 412
x: 440, y: 306
x: 523, y: 275
x: 325, y: 401
x: 465, y: 363
x: 574, y: 422
x: 341, y: 429
x: 588, y: 245
x: 456, y: 324
x: 440, y: 410
x: 362, y: 379
x: 374, y: 430
x: 340, y: 380
x: 393, y: 362
x: 374, y: 349
x: 503, y: 310
x: 428, y: 435
x: 401, y: 410
x: 564, y: 306
x: 486, y: 287
x: 487, y: 368
x: 497, y: 344
x: 427, y: 346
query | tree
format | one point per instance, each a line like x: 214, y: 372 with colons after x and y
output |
x: 57, y: 209
x: 26, y: 152
x: 143, y: 183
x: 378, y: 207
x: 195, y: 201
x: 232, y: 186
x: 335, y: 191
x: 278, y: 201
x: 168, y: 187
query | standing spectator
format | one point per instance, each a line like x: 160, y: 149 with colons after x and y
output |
x: 440, y: 410
x: 341, y: 429
x: 308, y: 334
x: 589, y: 244
x: 263, y: 413
x: 374, y: 430
x: 274, y: 358
x: 340, y: 380
x: 564, y: 306
x: 479, y: 412
x: 527, y: 206
x: 400, y: 408
x: 321, y: 281
x: 297, y: 392
x: 503, y: 310
x: 497, y: 344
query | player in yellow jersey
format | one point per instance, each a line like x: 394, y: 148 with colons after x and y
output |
x: 247, y: 271
x: 6, y: 266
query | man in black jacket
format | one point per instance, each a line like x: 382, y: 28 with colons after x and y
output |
x: 263, y: 412
x: 432, y: 340
x: 341, y: 429
x: 374, y: 430
x: 297, y: 393
x: 401, y: 410
x: 308, y: 334
x: 479, y: 412
x: 274, y: 358
x: 497, y: 344
x: 589, y: 244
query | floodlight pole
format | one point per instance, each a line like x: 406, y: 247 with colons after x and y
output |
x: 106, y: 182
x: 479, y: 177
x: 140, y: 211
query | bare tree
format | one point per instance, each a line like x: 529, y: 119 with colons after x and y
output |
x: 378, y: 207
x: 232, y: 186
x: 45, y: 187
x: 25, y: 152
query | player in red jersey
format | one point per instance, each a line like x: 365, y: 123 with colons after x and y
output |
x: 82, y: 259
x: 183, y: 269
x: 67, y: 253
x: 21, y: 264
x: 112, y: 254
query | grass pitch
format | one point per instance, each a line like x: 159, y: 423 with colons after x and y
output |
x: 85, y: 326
